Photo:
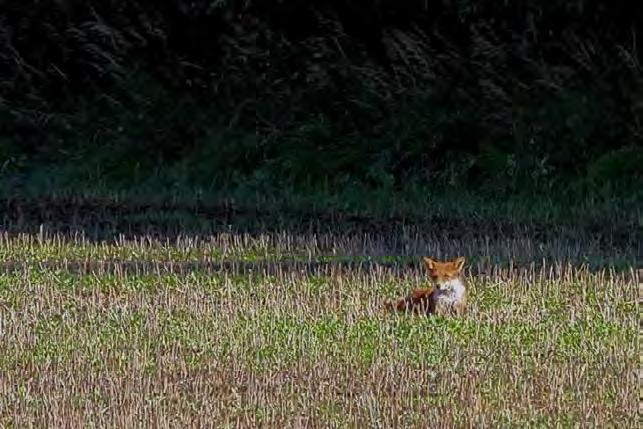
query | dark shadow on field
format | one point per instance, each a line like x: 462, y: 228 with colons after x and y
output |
x: 106, y: 220
x: 280, y: 268
x: 286, y: 268
x: 266, y: 267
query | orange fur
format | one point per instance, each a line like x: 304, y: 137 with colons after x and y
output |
x: 447, y: 295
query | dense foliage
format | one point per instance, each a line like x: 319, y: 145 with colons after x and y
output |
x: 503, y: 94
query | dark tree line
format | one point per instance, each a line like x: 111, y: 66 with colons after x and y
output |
x: 510, y: 93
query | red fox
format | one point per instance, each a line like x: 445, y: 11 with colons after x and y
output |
x: 447, y: 295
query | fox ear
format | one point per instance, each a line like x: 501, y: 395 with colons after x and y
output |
x: 430, y: 263
x: 459, y: 263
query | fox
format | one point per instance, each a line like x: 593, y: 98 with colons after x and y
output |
x: 447, y: 296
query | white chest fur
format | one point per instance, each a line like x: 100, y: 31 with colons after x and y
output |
x: 452, y: 291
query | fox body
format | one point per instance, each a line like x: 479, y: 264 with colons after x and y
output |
x: 446, y: 296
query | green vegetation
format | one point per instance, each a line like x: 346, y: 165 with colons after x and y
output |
x: 200, y: 95
x: 204, y: 205
x: 157, y: 331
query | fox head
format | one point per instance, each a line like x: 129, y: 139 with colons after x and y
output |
x: 441, y: 273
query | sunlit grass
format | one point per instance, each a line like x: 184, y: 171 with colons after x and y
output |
x: 542, y: 344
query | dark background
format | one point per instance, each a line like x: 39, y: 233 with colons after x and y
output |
x: 500, y: 98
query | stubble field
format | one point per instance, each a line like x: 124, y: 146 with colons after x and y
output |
x: 287, y: 329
